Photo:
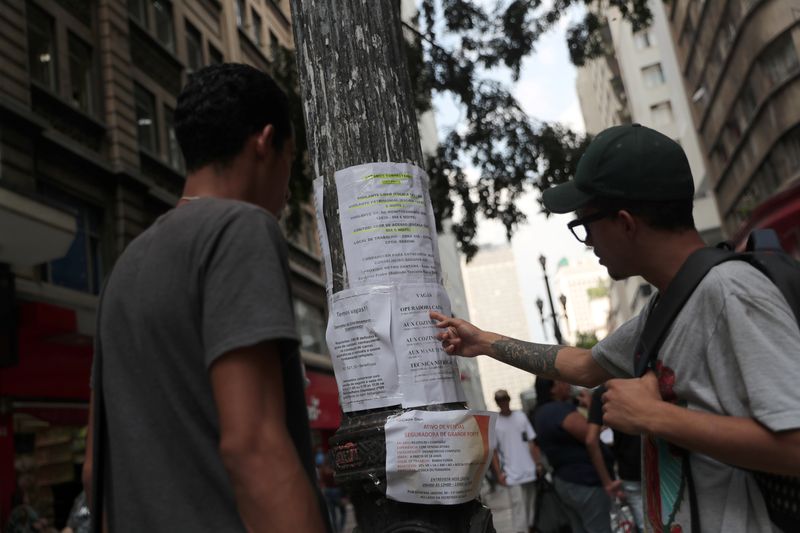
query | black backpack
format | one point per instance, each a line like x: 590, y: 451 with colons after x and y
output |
x: 764, y: 252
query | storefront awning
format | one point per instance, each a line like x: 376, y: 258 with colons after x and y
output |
x: 322, y: 400
x: 33, y: 232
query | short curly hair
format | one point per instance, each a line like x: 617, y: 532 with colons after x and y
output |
x: 221, y: 106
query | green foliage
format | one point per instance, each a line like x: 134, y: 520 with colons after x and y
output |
x: 601, y: 291
x: 586, y: 340
x: 513, y: 152
x: 453, y: 45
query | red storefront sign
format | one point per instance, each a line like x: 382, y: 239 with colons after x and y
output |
x: 781, y: 213
x: 322, y: 401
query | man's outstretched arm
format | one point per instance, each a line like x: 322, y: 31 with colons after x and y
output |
x: 565, y: 363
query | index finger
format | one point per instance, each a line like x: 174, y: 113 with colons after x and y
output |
x: 438, y: 316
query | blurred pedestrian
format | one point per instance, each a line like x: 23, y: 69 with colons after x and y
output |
x: 198, y: 385
x: 627, y: 455
x: 561, y: 431
x: 721, y: 399
x: 516, y: 461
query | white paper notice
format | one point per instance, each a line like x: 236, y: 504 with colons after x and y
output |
x: 323, y: 233
x: 359, y: 338
x: 427, y: 374
x: 438, y: 457
x: 387, y: 222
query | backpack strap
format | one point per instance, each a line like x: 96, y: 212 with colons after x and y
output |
x: 671, y: 301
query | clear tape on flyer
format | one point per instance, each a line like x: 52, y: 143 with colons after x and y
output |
x: 438, y: 457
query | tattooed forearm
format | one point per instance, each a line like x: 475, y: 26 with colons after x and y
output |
x: 539, y: 359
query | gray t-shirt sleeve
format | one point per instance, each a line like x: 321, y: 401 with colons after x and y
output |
x: 615, y: 352
x: 246, y: 296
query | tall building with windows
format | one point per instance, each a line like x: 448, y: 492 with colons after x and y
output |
x: 88, y: 159
x: 740, y: 64
x: 640, y: 81
x: 494, y: 300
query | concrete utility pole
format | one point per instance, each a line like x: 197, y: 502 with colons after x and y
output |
x: 358, y: 108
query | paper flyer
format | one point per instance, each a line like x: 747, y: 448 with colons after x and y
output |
x: 387, y: 222
x: 323, y: 234
x: 427, y: 374
x: 438, y: 457
x: 359, y: 339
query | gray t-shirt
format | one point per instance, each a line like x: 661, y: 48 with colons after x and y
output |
x: 732, y: 350
x: 206, y: 278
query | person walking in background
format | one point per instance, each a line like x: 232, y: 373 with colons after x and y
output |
x: 627, y: 450
x: 197, y: 378
x: 516, y: 461
x: 721, y: 400
x: 561, y: 433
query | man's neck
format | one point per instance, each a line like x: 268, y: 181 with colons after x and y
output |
x: 506, y: 413
x: 666, y: 256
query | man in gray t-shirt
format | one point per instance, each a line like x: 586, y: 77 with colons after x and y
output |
x: 724, y: 388
x: 197, y: 372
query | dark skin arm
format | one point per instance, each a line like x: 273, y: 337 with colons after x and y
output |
x: 273, y: 492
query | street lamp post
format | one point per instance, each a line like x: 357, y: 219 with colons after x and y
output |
x: 563, y: 300
x: 556, y: 330
x: 540, y: 306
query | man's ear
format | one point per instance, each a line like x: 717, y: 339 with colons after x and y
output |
x: 264, y: 140
x: 629, y: 223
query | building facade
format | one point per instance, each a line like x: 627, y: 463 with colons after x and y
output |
x: 584, y: 284
x: 89, y: 159
x: 494, y: 299
x: 640, y: 80
x: 740, y: 62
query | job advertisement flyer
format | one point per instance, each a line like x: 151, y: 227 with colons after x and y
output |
x: 387, y: 222
x: 427, y: 374
x: 438, y: 457
x: 359, y: 339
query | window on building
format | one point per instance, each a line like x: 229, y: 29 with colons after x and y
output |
x: 239, y: 9
x: 780, y: 59
x: 137, y: 9
x: 643, y: 39
x: 215, y: 57
x: 257, y: 29
x: 274, y: 44
x: 146, y: 120
x: 653, y: 76
x: 165, y: 29
x: 194, y: 48
x: 661, y: 113
x: 174, y: 154
x: 81, y: 74
x: 81, y: 268
x: 311, y: 327
x: 42, y: 47
x: 687, y: 33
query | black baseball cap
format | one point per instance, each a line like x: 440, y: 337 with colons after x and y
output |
x: 629, y: 162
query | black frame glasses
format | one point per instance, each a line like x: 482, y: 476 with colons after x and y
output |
x: 585, y: 221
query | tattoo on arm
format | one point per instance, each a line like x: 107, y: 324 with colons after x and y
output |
x: 539, y: 359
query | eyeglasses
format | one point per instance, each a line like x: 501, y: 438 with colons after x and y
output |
x: 580, y: 226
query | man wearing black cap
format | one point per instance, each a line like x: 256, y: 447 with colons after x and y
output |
x: 724, y: 385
